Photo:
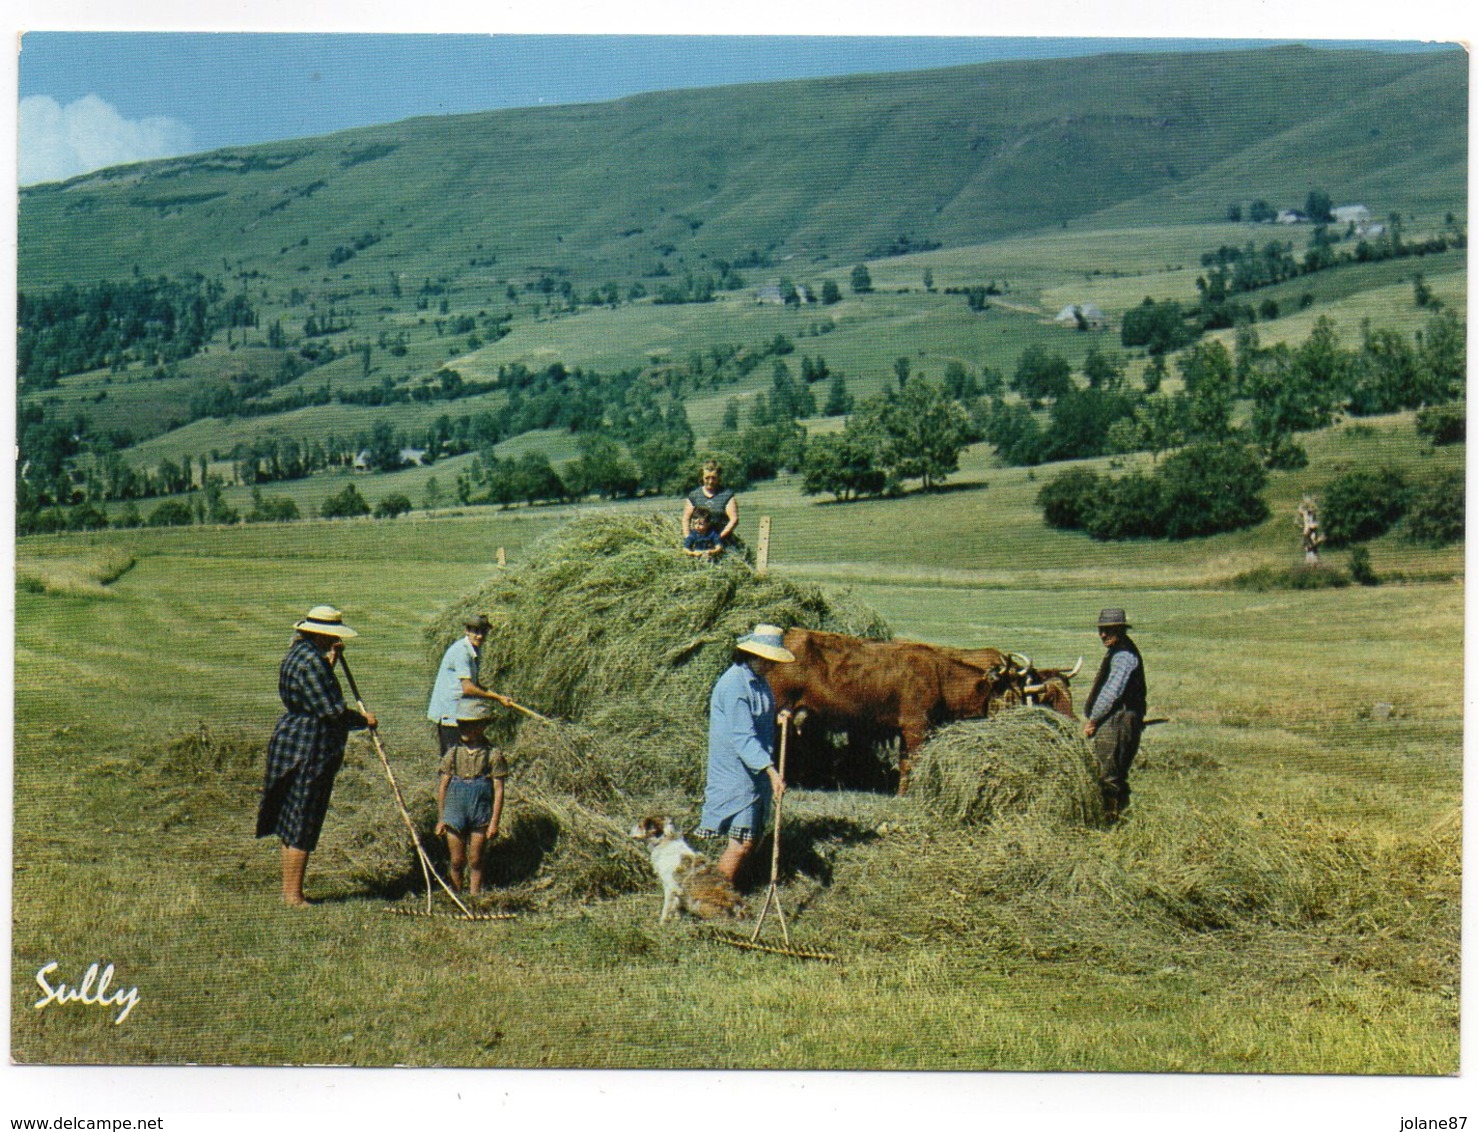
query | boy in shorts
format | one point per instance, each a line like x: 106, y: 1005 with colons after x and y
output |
x: 469, y: 793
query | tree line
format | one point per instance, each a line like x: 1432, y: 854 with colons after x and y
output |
x: 155, y: 321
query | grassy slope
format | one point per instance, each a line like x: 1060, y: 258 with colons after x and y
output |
x: 194, y: 630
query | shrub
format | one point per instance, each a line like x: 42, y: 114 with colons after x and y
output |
x: 1360, y: 568
x: 1211, y: 487
x: 1129, y: 507
x: 1201, y: 490
x: 1443, y: 424
x: 171, y: 513
x: 1438, y: 512
x: 346, y: 505
x: 272, y: 509
x: 392, y: 506
x: 1362, y: 504
x: 1065, y: 498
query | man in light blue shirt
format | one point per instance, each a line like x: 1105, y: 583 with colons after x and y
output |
x: 741, y: 747
x: 457, y: 677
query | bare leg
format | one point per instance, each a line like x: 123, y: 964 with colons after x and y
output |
x: 474, y: 859
x: 733, y: 859
x: 457, y: 850
x: 294, y: 866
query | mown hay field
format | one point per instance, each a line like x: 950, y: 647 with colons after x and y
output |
x: 1284, y: 896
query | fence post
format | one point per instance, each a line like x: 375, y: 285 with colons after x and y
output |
x: 502, y: 557
x: 762, y: 554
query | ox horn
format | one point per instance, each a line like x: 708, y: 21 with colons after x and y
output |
x: 1026, y: 661
x: 1033, y: 689
x: 1074, y: 672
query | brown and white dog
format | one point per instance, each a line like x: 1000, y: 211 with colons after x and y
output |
x: 689, y: 882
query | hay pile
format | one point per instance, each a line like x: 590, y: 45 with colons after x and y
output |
x: 1030, y: 761
x: 608, y: 625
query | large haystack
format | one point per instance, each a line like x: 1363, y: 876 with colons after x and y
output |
x: 1028, y: 761
x: 608, y: 625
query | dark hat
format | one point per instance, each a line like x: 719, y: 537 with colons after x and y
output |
x: 471, y: 709
x: 1113, y: 619
x: 480, y: 623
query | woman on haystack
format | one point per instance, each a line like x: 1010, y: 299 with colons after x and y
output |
x: 307, y: 746
x: 717, y: 500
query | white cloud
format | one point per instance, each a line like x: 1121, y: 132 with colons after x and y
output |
x: 57, y: 142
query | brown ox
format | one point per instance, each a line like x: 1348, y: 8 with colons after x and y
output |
x: 881, y: 687
x: 1025, y: 683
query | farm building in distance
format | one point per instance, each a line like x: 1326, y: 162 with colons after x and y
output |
x: 1083, y: 314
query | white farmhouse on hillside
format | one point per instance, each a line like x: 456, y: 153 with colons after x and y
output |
x: 1090, y: 314
x: 1350, y: 214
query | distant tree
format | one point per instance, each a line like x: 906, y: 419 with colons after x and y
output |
x: 861, y: 279
x: 1362, y: 504
x: 1234, y: 213
x: 1159, y: 327
x: 1443, y: 349
x: 272, y: 509
x: 1041, y: 376
x: 830, y: 292
x: 1443, y: 424
x: 431, y: 496
x: 925, y: 432
x: 844, y: 464
x: 1437, y: 515
x: 1210, y: 387
x: 838, y: 400
x: 730, y: 422
x: 171, y: 513
x: 603, y: 469
x: 1261, y: 212
x: 347, y: 504
x: 1319, y: 206
x: 1103, y: 370
x: 392, y: 506
x: 902, y: 367
x: 929, y: 279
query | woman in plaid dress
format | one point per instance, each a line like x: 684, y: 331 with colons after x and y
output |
x: 307, y: 746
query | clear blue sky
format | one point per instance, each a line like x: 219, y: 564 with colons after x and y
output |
x: 92, y: 99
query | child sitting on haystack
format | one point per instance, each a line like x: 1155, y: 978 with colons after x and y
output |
x: 703, y: 541
x: 469, y: 792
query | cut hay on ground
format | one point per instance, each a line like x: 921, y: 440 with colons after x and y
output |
x: 610, y: 626
x: 1028, y: 761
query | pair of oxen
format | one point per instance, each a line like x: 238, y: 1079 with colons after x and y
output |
x: 875, y: 690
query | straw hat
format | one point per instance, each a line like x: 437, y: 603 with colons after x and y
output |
x: 326, y: 621
x: 1113, y: 619
x: 766, y: 641
x: 470, y: 709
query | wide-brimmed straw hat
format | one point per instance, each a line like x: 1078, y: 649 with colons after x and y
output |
x: 326, y: 621
x: 470, y: 709
x: 766, y: 641
x: 1113, y: 619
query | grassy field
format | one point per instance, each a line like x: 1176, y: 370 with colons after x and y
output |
x: 1283, y: 899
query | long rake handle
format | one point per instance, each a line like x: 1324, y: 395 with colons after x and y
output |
x: 772, y: 894
x: 427, y: 871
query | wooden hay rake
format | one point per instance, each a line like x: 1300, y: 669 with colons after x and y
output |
x: 772, y: 896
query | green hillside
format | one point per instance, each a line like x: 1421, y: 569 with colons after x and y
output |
x: 826, y: 171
